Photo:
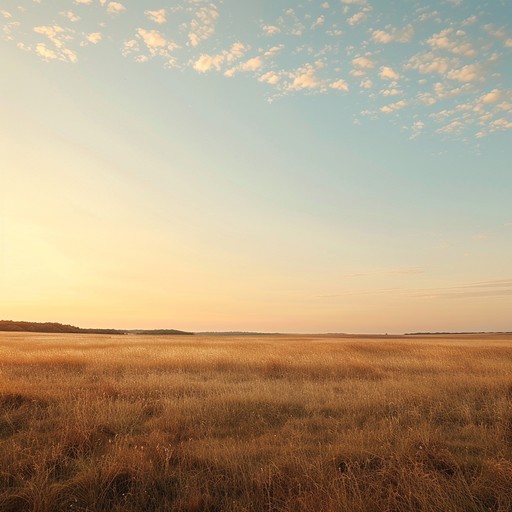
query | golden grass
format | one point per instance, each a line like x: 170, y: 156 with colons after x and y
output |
x: 267, y: 423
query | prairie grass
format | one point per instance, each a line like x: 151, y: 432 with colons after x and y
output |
x: 268, y: 423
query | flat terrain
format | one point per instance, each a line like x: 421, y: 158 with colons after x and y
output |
x: 256, y: 423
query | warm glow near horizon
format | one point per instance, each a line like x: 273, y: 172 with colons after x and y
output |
x: 205, y: 165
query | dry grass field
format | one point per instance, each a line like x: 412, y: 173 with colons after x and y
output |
x: 256, y: 423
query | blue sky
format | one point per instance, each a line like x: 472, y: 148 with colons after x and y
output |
x: 335, y: 166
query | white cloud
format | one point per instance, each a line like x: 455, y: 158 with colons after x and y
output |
x: 130, y: 47
x: 387, y: 73
x: 252, y: 64
x: 357, y: 18
x: 492, y: 97
x: 55, y: 33
x: 426, y: 98
x: 270, y: 30
x: 499, y: 32
x: 443, y: 91
x: 417, y: 129
x: 71, y: 16
x: 236, y: 52
x: 152, y: 38
x: 392, y: 107
x: 428, y: 62
x: 84, y: 2
x: 339, y: 85
x: 159, y: 16
x: 363, y: 62
x: 304, y: 78
x: 156, y: 44
x: 469, y: 21
x: 454, y: 128
x: 24, y: 47
x: 429, y: 15
x: 45, y: 52
x: 447, y: 40
x: 202, y: 27
x: 63, y: 54
x: 271, y: 52
x: 94, y: 37
x: 270, y: 78
x: 50, y: 31
x: 502, y: 124
x: 366, y: 84
x: 390, y: 92
x: 319, y: 22
x: 207, y: 62
x: 381, y: 36
x: 6, y: 14
x: 115, y: 8
x: 469, y: 73
x: 505, y: 105
x: 393, y: 35
x: 291, y: 24
x: 70, y: 55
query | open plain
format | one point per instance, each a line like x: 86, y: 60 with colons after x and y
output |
x: 255, y: 423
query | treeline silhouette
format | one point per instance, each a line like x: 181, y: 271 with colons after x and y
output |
x: 55, y: 327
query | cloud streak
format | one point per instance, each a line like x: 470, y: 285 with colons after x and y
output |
x: 496, y: 288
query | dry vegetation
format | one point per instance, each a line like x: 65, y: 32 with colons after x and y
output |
x: 268, y: 423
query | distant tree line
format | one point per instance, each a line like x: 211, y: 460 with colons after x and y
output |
x: 54, y: 327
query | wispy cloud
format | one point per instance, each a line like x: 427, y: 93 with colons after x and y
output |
x: 476, y: 290
x: 496, y: 288
x: 402, y: 271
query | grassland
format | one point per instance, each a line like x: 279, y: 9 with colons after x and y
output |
x: 261, y: 423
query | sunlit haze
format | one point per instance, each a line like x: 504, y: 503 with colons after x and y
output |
x: 342, y: 166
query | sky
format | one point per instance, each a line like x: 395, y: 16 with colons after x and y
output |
x: 337, y: 166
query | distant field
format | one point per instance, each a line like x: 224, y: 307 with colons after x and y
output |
x: 259, y: 423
